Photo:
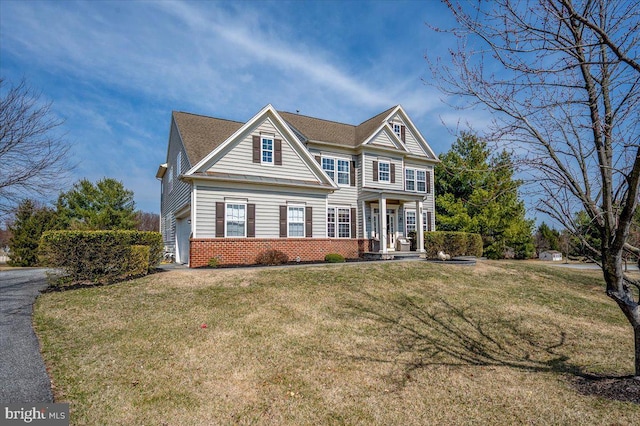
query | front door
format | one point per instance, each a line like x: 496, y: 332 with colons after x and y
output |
x: 183, y: 232
x: 391, y: 228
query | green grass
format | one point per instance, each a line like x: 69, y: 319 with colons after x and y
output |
x: 383, y: 343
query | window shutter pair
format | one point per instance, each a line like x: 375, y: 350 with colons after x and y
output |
x: 277, y: 150
x: 392, y: 172
x: 220, y: 220
x: 308, y: 222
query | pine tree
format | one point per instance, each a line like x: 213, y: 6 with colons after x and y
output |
x: 30, y: 222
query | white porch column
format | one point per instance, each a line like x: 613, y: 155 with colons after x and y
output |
x: 419, y: 227
x: 382, y: 217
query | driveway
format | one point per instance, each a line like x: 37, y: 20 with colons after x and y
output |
x: 23, y: 377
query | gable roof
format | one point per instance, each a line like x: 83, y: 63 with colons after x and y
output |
x: 201, y: 135
x: 317, y: 129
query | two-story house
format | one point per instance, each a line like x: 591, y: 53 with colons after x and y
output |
x: 298, y: 184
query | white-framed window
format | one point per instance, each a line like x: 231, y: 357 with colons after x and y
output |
x: 397, y: 129
x: 329, y: 166
x: 410, y: 180
x: 339, y: 222
x: 421, y: 181
x: 266, y: 150
x: 343, y: 172
x: 178, y: 163
x: 236, y: 220
x: 295, y: 221
x: 384, y: 171
x: 425, y: 224
x: 415, y: 180
x: 337, y: 169
x: 410, y: 218
x: 170, y: 179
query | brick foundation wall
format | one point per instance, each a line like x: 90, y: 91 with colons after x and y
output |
x: 243, y: 251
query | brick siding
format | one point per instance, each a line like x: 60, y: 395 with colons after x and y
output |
x: 243, y: 251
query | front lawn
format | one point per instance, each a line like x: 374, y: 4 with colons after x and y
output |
x: 369, y: 343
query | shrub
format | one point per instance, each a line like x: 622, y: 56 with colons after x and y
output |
x: 334, y: 258
x: 100, y: 256
x: 272, y: 257
x: 452, y: 243
x: 213, y: 262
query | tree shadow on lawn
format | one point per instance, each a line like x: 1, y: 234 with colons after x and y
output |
x: 443, y: 334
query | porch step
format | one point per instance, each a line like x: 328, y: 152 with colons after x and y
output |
x: 374, y: 255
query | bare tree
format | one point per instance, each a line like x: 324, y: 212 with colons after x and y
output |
x: 563, y: 78
x: 147, y: 221
x: 34, y: 157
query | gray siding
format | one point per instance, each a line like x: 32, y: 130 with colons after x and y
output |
x: 179, y: 195
x: 239, y: 159
x: 267, y: 204
x: 369, y: 158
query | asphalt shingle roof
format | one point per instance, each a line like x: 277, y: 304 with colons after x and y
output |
x: 201, y: 134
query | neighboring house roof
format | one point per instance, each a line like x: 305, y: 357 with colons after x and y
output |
x: 201, y: 135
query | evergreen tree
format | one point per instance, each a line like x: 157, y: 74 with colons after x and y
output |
x: 547, y: 238
x: 105, y: 205
x: 30, y: 222
x: 476, y: 192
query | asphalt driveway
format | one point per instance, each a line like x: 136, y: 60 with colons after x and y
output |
x: 23, y: 377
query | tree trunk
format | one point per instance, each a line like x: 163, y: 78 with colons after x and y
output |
x: 622, y: 293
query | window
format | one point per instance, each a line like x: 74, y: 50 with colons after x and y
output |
x: 296, y: 221
x: 397, y: 130
x: 421, y: 178
x: 267, y: 150
x: 236, y: 220
x: 343, y: 172
x: 410, y: 217
x: 410, y: 180
x: 178, y: 163
x: 170, y: 179
x: 339, y: 222
x: 342, y: 175
x: 384, y: 171
x: 415, y: 180
x: 329, y: 166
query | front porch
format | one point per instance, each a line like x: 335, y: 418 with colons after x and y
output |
x: 393, y: 255
x: 388, y: 219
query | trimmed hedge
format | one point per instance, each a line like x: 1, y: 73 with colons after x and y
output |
x: 334, y: 258
x: 100, y: 256
x: 452, y: 243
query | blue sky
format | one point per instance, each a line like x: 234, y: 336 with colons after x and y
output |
x: 114, y: 70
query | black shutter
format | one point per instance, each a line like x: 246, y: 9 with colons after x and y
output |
x: 375, y: 171
x: 277, y: 148
x: 354, y: 223
x: 256, y: 149
x: 283, y: 221
x: 219, y: 220
x: 251, y: 220
x: 352, y: 173
x: 308, y: 222
x: 403, y: 133
x: 428, y: 182
x: 318, y: 159
x: 429, y: 221
x: 393, y: 172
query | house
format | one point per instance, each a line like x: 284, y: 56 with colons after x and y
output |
x: 298, y: 184
x: 552, y: 255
